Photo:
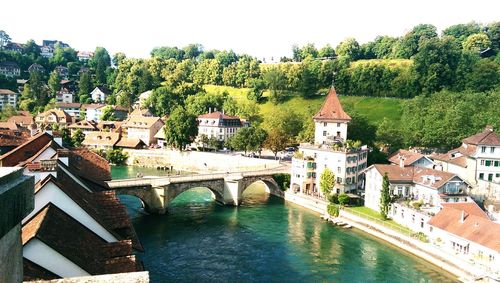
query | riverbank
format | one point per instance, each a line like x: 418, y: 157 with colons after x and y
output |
x: 434, y: 256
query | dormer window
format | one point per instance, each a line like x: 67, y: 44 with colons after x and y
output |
x: 483, y: 149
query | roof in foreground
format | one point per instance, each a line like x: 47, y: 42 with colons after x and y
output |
x: 417, y: 175
x: 467, y: 221
x: 331, y: 108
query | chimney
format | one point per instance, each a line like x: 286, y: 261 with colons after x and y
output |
x: 209, y: 109
x: 401, y: 162
x: 215, y: 109
x: 462, y: 219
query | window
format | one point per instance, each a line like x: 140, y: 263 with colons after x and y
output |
x: 482, y: 162
x: 497, y: 163
x: 400, y: 190
x: 324, y: 124
x: 483, y: 149
x: 488, y: 163
x: 339, y: 170
x: 492, y: 149
x: 338, y: 134
x: 497, y: 175
x: 324, y: 133
x: 490, y: 177
x: 338, y: 125
x: 339, y: 180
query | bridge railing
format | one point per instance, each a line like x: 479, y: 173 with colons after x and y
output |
x: 161, y: 181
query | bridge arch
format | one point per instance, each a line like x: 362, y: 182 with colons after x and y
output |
x: 148, y: 198
x: 214, y: 186
x: 271, y: 186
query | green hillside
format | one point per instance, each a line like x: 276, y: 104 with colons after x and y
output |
x: 374, y: 108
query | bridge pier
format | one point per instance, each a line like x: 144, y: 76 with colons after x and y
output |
x: 233, y: 189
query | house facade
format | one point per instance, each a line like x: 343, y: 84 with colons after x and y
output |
x: 218, y: 125
x: 8, y: 98
x: 99, y: 94
x: 53, y: 117
x: 143, y: 128
x: 411, y: 158
x: 36, y: 68
x: 10, y: 69
x: 330, y: 150
x: 64, y: 96
x: 477, y: 160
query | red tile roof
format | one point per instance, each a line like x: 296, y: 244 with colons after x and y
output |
x: 84, y: 125
x: 25, y: 150
x: 74, y: 241
x: 23, y: 118
x: 141, y: 122
x: 417, y: 175
x: 218, y: 115
x: 11, y: 138
x: 487, y: 137
x: 408, y: 156
x: 6, y: 91
x: 475, y: 227
x: 101, y: 139
x: 8, y: 126
x: 332, y: 109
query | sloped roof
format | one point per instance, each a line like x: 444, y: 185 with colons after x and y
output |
x: 130, y: 142
x: 408, y: 156
x: 415, y: 175
x: 6, y: 91
x: 60, y: 114
x: 141, y: 122
x: 68, y: 105
x: 475, y: 227
x: 84, y: 124
x: 331, y: 108
x: 20, y: 153
x: 74, y: 241
x: 8, y: 126
x: 101, y: 138
x: 161, y: 133
x: 23, y: 118
x: 218, y: 115
x: 141, y: 113
x: 486, y: 137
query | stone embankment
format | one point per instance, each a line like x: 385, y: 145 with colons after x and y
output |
x: 196, y: 161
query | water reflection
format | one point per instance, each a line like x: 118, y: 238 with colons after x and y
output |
x: 264, y: 240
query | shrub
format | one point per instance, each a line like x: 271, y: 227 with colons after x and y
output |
x: 343, y: 199
x: 417, y: 204
x: 333, y: 198
x: 116, y: 156
x: 283, y: 180
x: 333, y: 210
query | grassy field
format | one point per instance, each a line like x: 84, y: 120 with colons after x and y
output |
x: 374, y: 108
x: 365, y: 211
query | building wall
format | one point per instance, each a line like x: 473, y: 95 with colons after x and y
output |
x: 11, y: 255
x: 322, y: 130
x: 8, y: 100
x: 409, y: 217
x: 46, y: 257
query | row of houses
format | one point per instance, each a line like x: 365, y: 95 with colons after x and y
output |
x: 47, y: 49
x: 436, y: 195
x: 77, y: 226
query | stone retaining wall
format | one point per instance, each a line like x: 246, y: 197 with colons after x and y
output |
x: 196, y: 161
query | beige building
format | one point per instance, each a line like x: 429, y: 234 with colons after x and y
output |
x: 143, y: 128
x: 53, y: 116
x: 8, y: 98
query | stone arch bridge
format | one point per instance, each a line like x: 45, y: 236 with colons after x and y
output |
x: 156, y: 193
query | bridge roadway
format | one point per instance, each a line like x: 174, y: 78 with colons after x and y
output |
x: 157, y: 192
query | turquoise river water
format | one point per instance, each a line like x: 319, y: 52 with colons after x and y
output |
x: 264, y: 240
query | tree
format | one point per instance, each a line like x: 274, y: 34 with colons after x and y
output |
x: 204, y: 141
x: 349, y: 48
x: 116, y: 156
x: 180, y: 129
x: 385, y: 197
x: 100, y: 62
x: 214, y: 143
x: 167, y: 52
x: 108, y: 114
x: 277, y: 140
x: 66, y: 137
x: 327, y: 52
x: 78, y: 138
x: 276, y: 83
x: 410, y: 43
x: 118, y: 58
x: 462, y: 31
x: 327, y: 181
x: 84, y: 87
x: 493, y: 31
x: 54, y: 82
x: 477, y: 42
x: 287, y: 122
x: 257, y: 87
x: 389, y: 134
x: 192, y: 51
x: 248, y: 139
x: 4, y: 39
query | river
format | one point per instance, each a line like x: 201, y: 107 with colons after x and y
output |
x: 264, y: 240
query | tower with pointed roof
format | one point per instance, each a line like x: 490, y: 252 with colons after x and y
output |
x: 331, y: 121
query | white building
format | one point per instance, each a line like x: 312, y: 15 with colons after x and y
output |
x: 466, y: 231
x: 477, y: 160
x: 73, y: 109
x: 143, y: 128
x: 99, y: 94
x: 10, y: 69
x: 8, y: 98
x: 219, y: 125
x: 64, y: 96
x: 330, y: 150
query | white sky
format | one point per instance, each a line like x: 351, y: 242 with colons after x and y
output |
x: 262, y: 28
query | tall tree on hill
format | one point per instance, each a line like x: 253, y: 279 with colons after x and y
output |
x: 180, y: 129
x: 326, y: 51
x: 477, y: 42
x: 54, y: 82
x: 84, y: 87
x: 31, y: 49
x: 493, y: 31
x: 276, y: 141
x: 4, y: 39
x: 385, y: 197
x: 349, y: 48
x: 462, y: 31
x: 276, y: 82
x: 409, y: 44
x: 100, y: 62
x: 63, y: 55
x: 192, y: 51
